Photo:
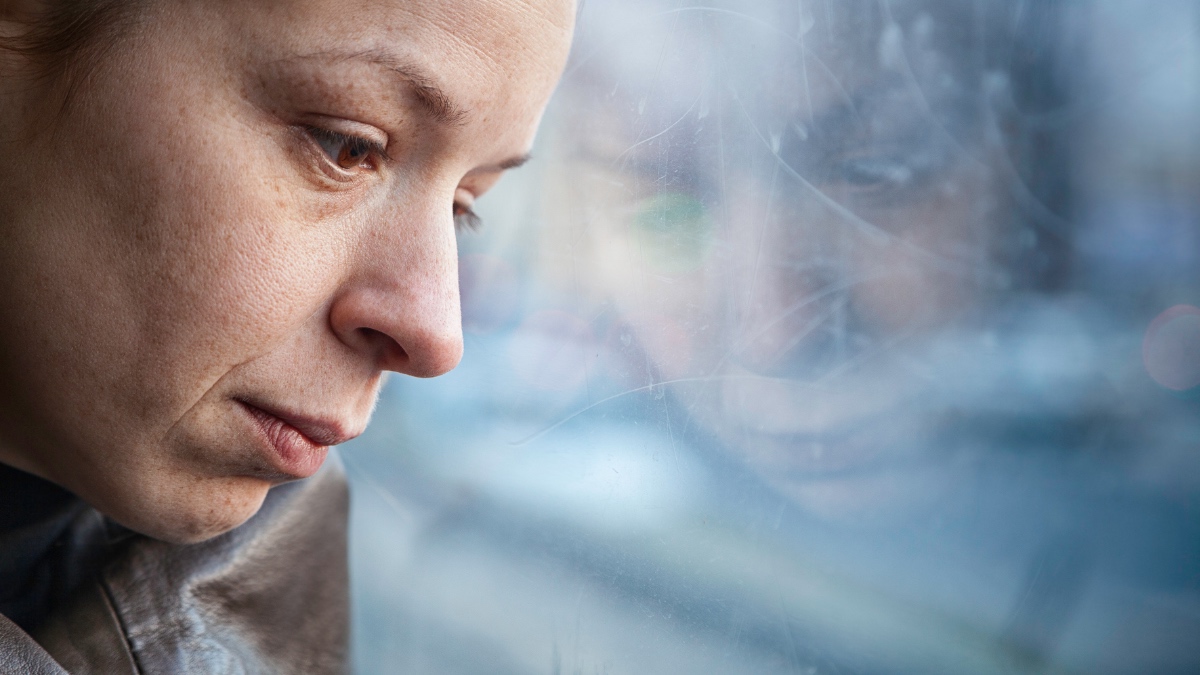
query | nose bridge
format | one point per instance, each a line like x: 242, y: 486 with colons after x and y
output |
x: 400, y: 306
x: 784, y: 296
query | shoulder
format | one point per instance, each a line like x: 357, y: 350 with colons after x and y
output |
x: 20, y: 654
x: 269, y: 596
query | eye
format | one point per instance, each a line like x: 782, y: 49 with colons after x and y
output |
x: 348, y: 152
x: 892, y: 172
x: 876, y: 173
x: 465, y: 218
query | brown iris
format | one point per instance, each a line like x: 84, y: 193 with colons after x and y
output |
x: 346, y: 151
x: 352, y: 155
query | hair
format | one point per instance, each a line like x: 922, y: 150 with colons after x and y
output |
x: 67, y: 38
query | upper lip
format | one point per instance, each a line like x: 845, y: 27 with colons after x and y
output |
x: 321, y: 431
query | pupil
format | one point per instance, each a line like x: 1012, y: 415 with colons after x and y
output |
x: 350, y: 156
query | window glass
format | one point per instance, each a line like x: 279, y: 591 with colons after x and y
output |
x: 820, y: 336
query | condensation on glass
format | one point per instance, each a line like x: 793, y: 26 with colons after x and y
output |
x: 821, y: 336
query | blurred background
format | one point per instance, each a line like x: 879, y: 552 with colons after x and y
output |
x: 821, y: 336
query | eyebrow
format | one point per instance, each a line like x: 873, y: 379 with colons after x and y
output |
x: 511, y: 163
x: 431, y: 97
x: 434, y: 100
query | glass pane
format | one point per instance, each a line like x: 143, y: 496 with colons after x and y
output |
x: 821, y: 336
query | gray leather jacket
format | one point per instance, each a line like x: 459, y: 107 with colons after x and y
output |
x: 268, y: 597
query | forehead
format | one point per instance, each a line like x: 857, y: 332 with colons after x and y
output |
x: 769, y: 66
x: 820, y: 50
x: 485, y: 55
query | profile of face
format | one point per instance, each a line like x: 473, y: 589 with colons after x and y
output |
x: 793, y: 236
x: 242, y: 216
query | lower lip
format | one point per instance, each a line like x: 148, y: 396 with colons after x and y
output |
x: 294, y: 454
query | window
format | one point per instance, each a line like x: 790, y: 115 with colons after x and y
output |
x: 821, y: 336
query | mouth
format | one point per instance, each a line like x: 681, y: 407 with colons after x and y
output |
x: 297, y: 444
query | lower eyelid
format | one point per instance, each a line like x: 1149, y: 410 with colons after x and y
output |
x: 318, y: 159
x: 315, y: 165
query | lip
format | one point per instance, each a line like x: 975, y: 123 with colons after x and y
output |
x: 298, y: 443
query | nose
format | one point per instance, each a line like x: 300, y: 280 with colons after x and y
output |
x: 399, y: 307
x: 777, y: 323
x: 790, y: 306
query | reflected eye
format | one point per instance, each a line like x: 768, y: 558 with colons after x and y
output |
x: 876, y: 173
x: 894, y: 171
x: 347, y: 152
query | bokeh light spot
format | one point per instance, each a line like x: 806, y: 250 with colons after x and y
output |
x: 1171, y: 348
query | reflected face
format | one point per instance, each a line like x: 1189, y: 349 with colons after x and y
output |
x: 245, y: 216
x: 790, y: 247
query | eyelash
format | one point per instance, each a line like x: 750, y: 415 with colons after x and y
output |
x: 358, y: 147
x: 466, y: 219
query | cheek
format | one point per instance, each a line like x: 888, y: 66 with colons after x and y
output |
x: 930, y: 275
x: 198, y: 244
x: 230, y: 270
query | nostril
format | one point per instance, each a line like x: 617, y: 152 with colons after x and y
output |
x: 435, y: 352
x: 417, y: 334
x: 420, y: 355
x: 386, y: 349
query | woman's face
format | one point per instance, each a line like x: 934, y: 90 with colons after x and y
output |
x: 792, y: 237
x: 244, y: 216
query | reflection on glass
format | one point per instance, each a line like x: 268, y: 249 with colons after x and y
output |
x: 821, y: 337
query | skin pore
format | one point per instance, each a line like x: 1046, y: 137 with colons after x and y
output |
x: 245, y: 207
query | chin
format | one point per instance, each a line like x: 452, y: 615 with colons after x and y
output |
x: 191, y: 510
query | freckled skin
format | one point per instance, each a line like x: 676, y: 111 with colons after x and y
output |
x: 174, y: 242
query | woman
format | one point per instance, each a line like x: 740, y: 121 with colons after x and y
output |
x: 223, y: 222
x: 808, y: 240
